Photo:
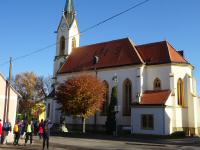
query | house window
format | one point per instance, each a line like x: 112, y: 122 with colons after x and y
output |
x: 180, y: 92
x: 106, y: 100
x: 157, y: 84
x: 147, y: 122
x: 48, y: 110
x: 73, y: 43
x: 127, y: 95
x: 62, y: 46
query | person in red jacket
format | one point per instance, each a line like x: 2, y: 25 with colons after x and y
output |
x: 1, y: 128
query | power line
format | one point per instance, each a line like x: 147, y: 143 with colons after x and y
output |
x: 83, y: 31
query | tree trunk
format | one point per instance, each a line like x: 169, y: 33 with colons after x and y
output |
x: 83, y: 119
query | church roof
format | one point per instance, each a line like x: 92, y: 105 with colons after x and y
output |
x: 155, y: 97
x: 118, y: 53
x: 159, y: 53
x: 111, y: 54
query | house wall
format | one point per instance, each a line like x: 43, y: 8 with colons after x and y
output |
x: 157, y: 112
x: 12, y: 105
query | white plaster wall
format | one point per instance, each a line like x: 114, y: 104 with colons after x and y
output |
x: 169, y: 120
x: 73, y: 33
x: 158, y: 114
x: 69, y: 34
x: 157, y: 71
x: 123, y: 73
x: 12, y: 104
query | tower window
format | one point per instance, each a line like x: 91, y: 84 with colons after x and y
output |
x: 73, y: 43
x: 62, y: 45
x: 180, y: 93
x: 157, y: 84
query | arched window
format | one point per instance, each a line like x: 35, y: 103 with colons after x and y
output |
x: 106, y: 100
x: 157, y: 84
x: 180, y: 92
x: 73, y: 43
x: 127, y: 96
x: 62, y: 46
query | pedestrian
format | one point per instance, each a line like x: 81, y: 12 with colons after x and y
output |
x: 16, y: 132
x: 6, y: 130
x: 35, y: 127
x: 46, y: 134
x: 29, y: 132
x: 1, y: 130
x: 41, y: 129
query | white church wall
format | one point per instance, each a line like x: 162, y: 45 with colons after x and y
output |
x: 169, y: 120
x: 158, y: 114
x: 157, y: 71
x: 122, y: 73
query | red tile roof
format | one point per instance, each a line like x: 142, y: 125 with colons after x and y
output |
x: 111, y: 54
x: 120, y: 53
x: 159, y: 53
x: 155, y: 97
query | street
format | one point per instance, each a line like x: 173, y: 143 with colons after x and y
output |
x: 68, y: 143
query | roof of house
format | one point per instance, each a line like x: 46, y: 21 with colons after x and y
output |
x: 155, y: 97
x: 120, y: 52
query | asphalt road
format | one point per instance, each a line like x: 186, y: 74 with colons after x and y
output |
x: 67, y: 143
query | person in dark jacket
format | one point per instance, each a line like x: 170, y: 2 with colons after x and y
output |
x: 46, y: 134
x: 6, y: 130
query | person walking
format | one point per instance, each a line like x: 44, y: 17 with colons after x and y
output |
x: 6, y: 129
x: 46, y: 134
x: 41, y: 129
x: 16, y: 132
x: 1, y: 130
x: 29, y: 132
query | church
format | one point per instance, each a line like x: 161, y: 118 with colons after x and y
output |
x: 157, y: 92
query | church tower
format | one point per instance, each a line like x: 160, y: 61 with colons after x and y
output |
x: 68, y: 36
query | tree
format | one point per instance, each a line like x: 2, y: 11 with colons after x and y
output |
x: 111, y: 117
x: 32, y: 89
x: 81, y: 96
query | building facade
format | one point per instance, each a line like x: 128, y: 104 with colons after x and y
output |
x: 8, y: 103
x: 156, y: 88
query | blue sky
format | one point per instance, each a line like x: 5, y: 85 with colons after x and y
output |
x: 26, y: 26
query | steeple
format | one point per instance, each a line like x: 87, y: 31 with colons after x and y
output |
x: 69, y: 12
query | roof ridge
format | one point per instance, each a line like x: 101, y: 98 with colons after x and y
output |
x: 152, y: 43
x: 131, y: 41
x: 168, y: 44
x: 102, y: 42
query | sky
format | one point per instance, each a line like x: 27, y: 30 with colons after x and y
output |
x: 26, y: 26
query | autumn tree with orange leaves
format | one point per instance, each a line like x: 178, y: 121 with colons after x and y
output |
x: 81, y: 96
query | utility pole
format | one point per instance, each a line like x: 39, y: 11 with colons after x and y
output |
x: 9, y: 87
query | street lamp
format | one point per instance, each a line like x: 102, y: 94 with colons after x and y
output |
x: 116, y: 107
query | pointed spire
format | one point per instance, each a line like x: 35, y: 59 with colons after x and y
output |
x: 69, y: 12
